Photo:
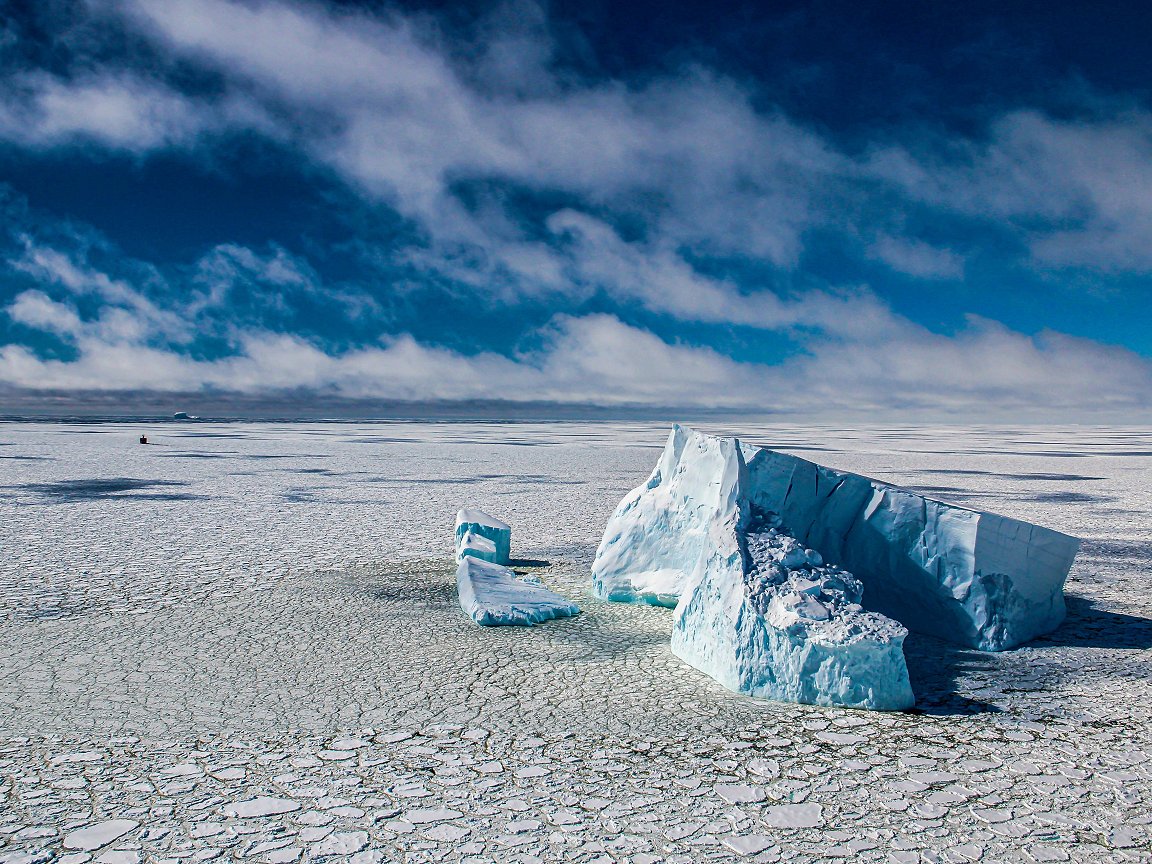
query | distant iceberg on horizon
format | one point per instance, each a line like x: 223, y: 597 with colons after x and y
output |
x: 747, y: 545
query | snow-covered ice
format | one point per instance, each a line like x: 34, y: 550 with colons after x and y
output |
x: 493, y: 595
x: 482, y: 536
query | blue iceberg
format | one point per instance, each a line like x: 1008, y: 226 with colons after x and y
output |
x: 493, y: 595
x: 479, y: 535
x: 747, y: 545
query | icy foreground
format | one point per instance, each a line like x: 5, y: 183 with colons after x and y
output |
x: 351, y: 661
x: 493, y: 595
x: 694, y: 537
x: 479, y: 535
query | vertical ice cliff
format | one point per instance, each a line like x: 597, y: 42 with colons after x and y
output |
x: 479, y: 535
x: 747, y: 545
x: 977, y: 579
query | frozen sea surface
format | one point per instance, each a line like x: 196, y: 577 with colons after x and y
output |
x: 243, y: 641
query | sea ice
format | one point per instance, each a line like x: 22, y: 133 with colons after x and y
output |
x: 975, y: 578
x: 482, y: 536
x: 494, y: 595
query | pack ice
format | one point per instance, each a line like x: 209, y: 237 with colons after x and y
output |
x: 493, y: 595
x: 747, y: 544
x: 479, y: 535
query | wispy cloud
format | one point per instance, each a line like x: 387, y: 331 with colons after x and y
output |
x: 617, y: 205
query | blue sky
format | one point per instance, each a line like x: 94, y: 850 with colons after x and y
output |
x: 824, y: 208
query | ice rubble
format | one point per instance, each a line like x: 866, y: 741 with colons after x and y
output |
x: 494, y: 595
x: 482, y: 536
x: 718, y: 532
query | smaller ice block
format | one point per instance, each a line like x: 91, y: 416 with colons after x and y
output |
x: 480, y: 526
x: 492, y: 595
x: 474, y: 546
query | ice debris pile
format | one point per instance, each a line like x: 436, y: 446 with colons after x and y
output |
x: 479, y: 535
x: 490, y: 593
x: 742, y: 540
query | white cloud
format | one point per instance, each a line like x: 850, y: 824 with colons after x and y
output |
x: 118, y: 111
x: 597, y: 359
x: 1078, y: 192
x: 36, y: 309
x: 915, y: 258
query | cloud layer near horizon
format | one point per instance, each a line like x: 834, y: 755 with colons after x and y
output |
x: 634, y: 219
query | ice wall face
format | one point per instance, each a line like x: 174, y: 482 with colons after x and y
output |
x: 661, y: 529
x: 492, y: 595
x: 482, y: 536
x: 977, y: 579
x: 774, y: 621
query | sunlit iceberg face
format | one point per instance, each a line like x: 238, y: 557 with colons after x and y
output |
x: 786, y: 576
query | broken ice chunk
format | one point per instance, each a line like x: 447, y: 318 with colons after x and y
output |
x: 475, y: 546
x: 480, y: 527
x: 493, y: 595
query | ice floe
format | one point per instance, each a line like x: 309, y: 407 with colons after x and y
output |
x: 479, y: 535
x: 494, y: 595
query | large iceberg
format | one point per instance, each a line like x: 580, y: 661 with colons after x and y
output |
x: 717, y: 516
x: 479, y: 535
x: 493, y: 595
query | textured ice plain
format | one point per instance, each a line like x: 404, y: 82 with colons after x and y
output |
x: 248, y: 612
x: 975, y: 578
x: 495, y: 596
x: 482, y: 536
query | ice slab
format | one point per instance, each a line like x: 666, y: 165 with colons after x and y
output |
x: 978, y: 579
x: 494, y: 595
x: 766, y: 617
x: 478, y: 525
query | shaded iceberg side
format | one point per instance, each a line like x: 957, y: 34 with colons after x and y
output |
x: 662, y: 528
x: 482, y: 536
x: 493, y: 595
x: 766, y: 617
x: 978, y: 579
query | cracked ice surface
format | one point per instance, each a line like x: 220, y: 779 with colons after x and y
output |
x: 249, y: 612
